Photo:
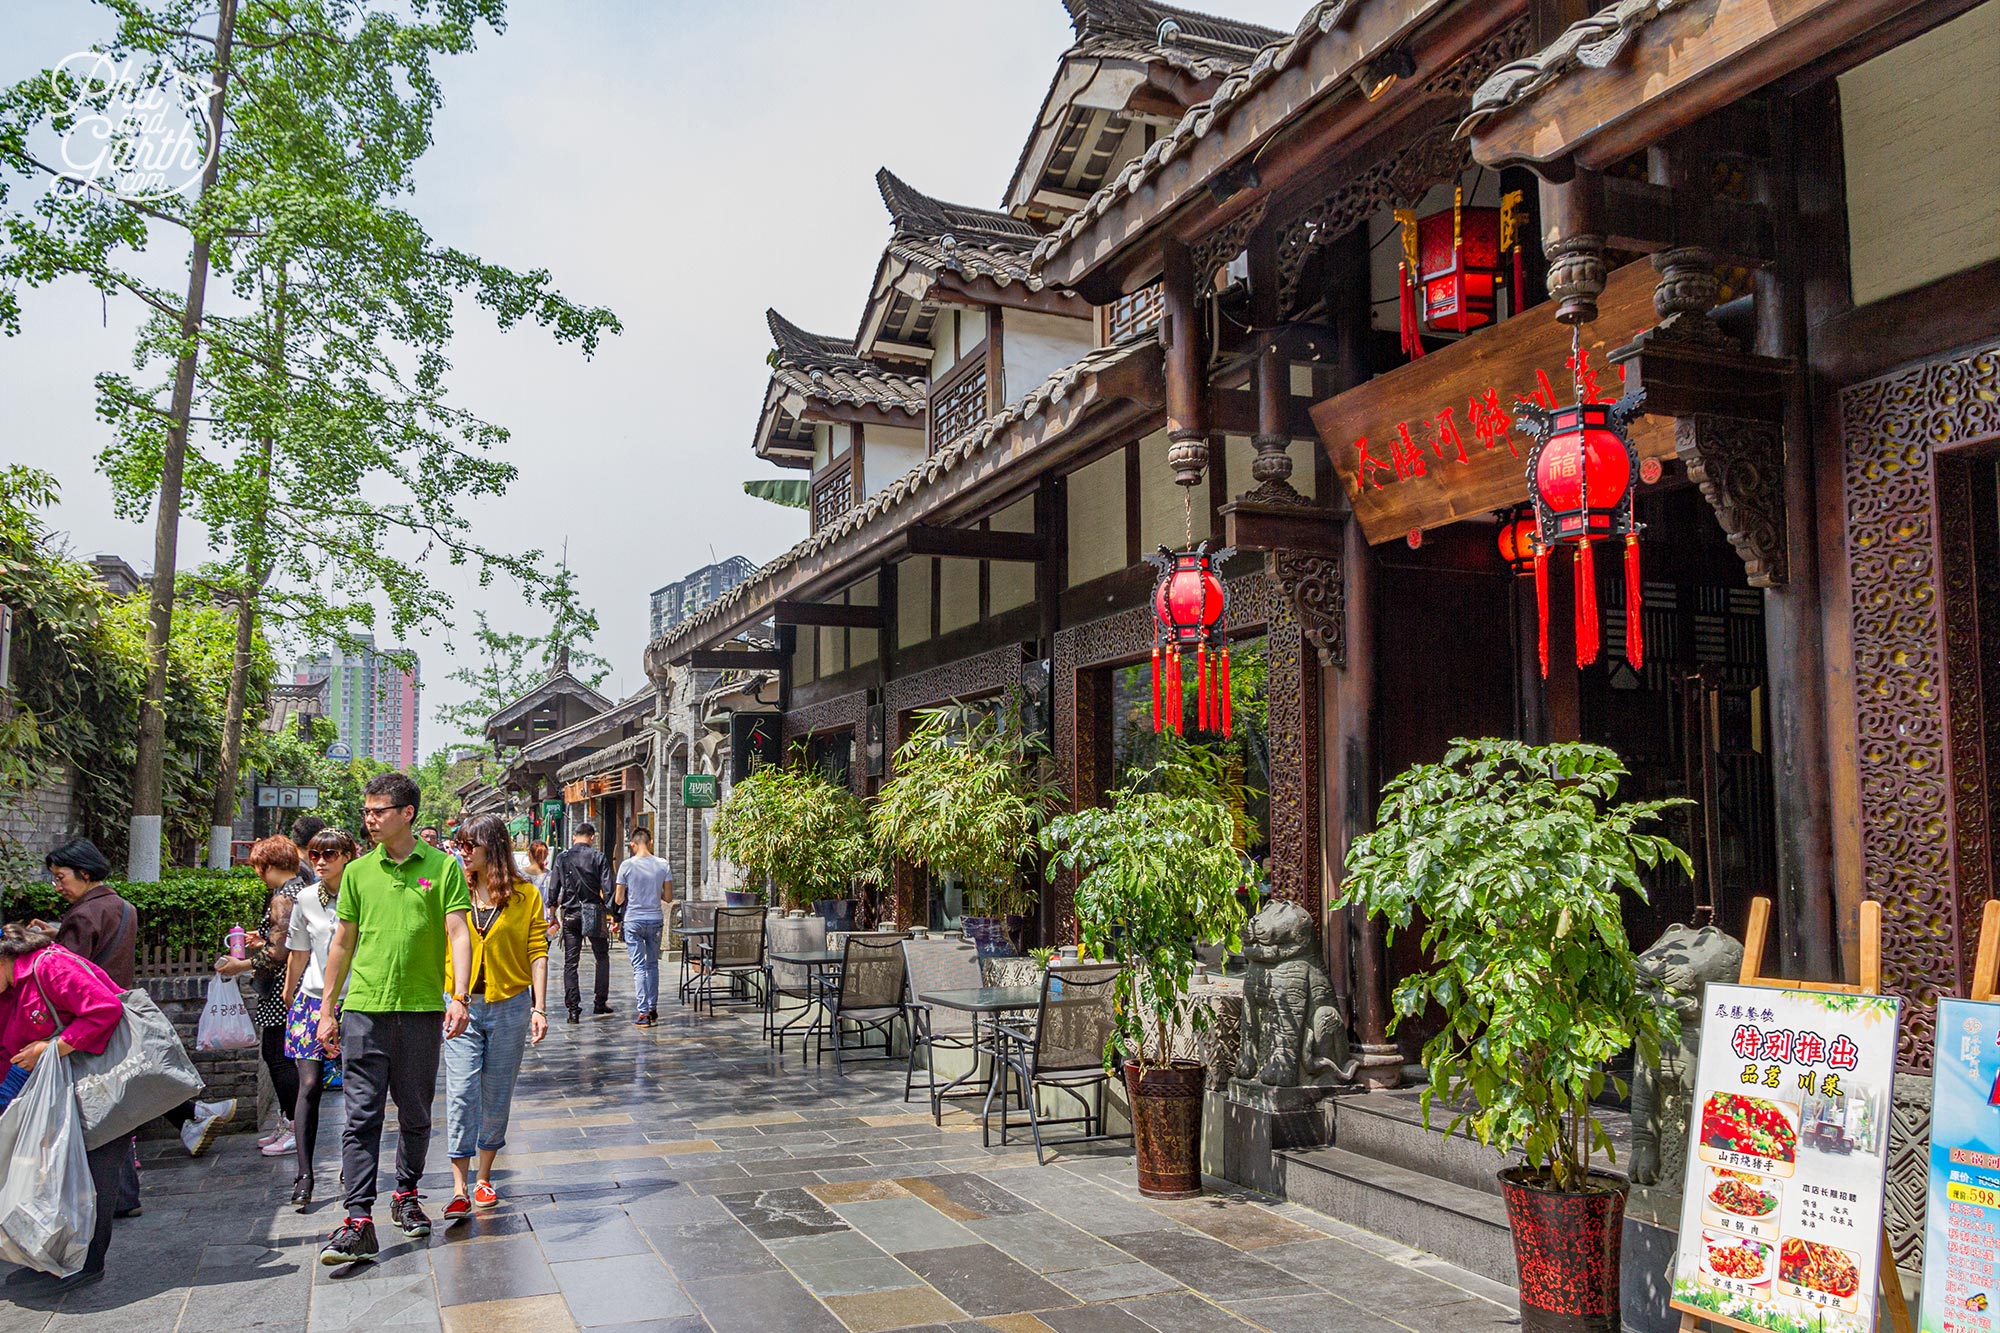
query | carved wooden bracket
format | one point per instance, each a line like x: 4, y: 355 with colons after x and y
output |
x: 1739, y: 463
x: 1319, y: 594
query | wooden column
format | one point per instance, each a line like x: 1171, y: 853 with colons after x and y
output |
x: 1187, y: 406
x: 1573, y: 241
x: 1347, y: 713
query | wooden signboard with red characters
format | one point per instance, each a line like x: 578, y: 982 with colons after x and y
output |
x: 1782, y: 1224
x: 1434, y: 442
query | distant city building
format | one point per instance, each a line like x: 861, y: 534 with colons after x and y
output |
x: 677, y: 601
x: 118, y: 577
x: 371, y: 700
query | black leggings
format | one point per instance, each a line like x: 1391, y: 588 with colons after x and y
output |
x: 107, y: 1165
x: 284, y: 1073
x: 311, y: 1075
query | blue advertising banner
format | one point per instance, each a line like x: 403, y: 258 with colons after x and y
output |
x: 1962, y: 1221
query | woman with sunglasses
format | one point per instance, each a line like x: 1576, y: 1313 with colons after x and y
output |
x: 310, y: 937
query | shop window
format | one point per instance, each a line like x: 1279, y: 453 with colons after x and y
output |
x: 1246, y: 753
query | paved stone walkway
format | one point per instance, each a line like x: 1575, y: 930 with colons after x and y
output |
x: 684, y: 1179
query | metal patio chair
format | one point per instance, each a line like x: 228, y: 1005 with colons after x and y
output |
x: 868, y: 994
x: 691, y: 950
x: 790, y: 981
x: 935, y: 965
x: 735, y: 957
x: 1063, y: 1051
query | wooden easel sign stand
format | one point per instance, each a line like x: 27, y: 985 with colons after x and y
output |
x: 1789, y: 1146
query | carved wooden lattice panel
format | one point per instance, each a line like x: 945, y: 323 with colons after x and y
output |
x: 1133, y: 314
x: 1909, y: 1167
x: 848, y: 712
x: 1910, y: 812
x: 958, y: 407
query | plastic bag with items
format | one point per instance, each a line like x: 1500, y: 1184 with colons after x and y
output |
x: 225, y: 1021
x: 48, y: 1206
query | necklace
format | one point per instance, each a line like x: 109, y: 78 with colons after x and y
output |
x: 482, y: 926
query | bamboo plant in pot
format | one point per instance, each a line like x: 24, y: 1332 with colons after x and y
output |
x: 1514, y: 857
x: 1158, y: 869
x: 798, y: 831
x: 969, y: 797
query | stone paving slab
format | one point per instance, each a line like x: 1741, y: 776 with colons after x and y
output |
x: 683, y: 1179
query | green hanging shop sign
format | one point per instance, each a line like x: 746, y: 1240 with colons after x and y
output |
x: 698, y: 790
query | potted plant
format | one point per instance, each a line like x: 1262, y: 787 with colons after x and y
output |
x: 1514, y: 856
x: 1158, y: 869
x: 799, y: 831
x: 968, y: 798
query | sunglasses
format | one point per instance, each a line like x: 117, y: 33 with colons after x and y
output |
x: 323, y: 856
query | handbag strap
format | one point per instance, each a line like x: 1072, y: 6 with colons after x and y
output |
x: 35, y: 971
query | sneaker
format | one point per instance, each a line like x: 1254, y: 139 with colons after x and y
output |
x: 198, y: 1134
x: 652, y: 1017
x: 353, y: 1242
x: 484, y: 1195
x: 276, y: 1132
x: 458, y: 1209
x: 576, y: 1015
x: 224, y: 1110
x: 644, y: 1020
x: 408, y: 1215
x: 283, y: 1146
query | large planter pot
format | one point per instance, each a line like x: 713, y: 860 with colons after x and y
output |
x: 1566, y: 1247
x: 838, y: 913
x: 1166, y: 1127
x: 742, y: 898
x: 989, y: 935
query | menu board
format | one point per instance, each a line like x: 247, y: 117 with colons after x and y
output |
x: 1962, y: 1220
x: 1781, y: 1222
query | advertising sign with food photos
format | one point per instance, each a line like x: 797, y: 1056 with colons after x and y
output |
x: 1781, y: 1222
x: 1962, y: 1220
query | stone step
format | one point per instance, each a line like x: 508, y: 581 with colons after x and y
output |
x: 1460, y: 1225
x: 1389, y: 1128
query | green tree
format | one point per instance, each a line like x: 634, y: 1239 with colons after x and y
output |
x: 320, y: 373
x: 509, y: 665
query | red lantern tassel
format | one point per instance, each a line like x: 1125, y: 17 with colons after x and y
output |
x: 1201, y: 686
x: 1542, y: 604
x: 1223, y: 693
x: 1586, y: 603
x: 1176, y: 717
x: 1635, y: 635
x: 1406, y: 308
x: 1157, y: 721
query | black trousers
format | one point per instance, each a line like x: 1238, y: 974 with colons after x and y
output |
x: 383, y: 1056
x: 107, y: 1170
x: 573, y: 942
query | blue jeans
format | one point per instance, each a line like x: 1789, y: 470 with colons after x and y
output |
x: 479, y: 1070
x: 642, y: 941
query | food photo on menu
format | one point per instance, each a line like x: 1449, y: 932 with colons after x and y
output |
x: 1782, y: 1214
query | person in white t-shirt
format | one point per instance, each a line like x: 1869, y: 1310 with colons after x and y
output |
x: 644, y: 881
x: 309, y: 938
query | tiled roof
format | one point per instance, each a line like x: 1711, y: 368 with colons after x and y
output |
x: 911, y: 486
x: 1203, y: 45
x: 824, y: 367
x: 1273, y: 60
x: 956, y: 238
x: 1592, y: 43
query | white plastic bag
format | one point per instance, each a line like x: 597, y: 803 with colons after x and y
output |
x: 48, y: 1206
x: 225, y: 1022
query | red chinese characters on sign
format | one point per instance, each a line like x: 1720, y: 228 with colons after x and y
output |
x: 1750, y: 1042
x: 1491, y: 424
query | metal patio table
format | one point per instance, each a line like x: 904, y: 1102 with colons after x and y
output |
x: 988, y: 1002
x: 690, y: 936
x: 817, y: 963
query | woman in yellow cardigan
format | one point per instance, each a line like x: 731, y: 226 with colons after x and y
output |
x: 509, y: 1009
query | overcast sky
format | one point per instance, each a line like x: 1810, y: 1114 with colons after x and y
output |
x: 685, y: 164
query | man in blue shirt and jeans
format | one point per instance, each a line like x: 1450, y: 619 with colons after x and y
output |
x: 643, y: 881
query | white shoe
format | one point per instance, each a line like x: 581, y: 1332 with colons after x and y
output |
x: 197, y: 1135
x: 283, y: 1146
x: 224, y: 1110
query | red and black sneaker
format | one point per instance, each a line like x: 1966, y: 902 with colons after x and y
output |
x: 352, y: 1243
x: 458, y: 1209
x: 408, y: 1215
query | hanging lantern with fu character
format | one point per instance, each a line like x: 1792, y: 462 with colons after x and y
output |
x: 1582, y: 474
x: 1454, y: 263
x: 1190, y: 627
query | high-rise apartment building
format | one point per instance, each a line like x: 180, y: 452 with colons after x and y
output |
x: 370, y: 699
x: 677, y: 601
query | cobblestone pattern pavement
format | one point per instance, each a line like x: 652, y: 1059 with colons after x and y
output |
x: 683, y: 1178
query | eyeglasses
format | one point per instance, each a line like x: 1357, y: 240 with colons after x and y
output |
x: 377, y: 811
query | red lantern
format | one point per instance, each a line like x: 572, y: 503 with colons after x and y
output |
x: 1452, y: 267
x: 1580, y: 480
x: 1190, y: 619
x: 1517, y: 539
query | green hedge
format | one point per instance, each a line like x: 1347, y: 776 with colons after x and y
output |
x: 188, y: 910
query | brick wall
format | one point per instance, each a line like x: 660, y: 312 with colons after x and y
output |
x: 41, y: 817
x: 238, y: 1074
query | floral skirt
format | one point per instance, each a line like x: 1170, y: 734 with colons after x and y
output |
x: 302, y: 1029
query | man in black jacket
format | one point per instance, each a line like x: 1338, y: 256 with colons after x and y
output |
x: 579, y: 899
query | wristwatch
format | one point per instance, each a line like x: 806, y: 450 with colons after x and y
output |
x: 462, y: 999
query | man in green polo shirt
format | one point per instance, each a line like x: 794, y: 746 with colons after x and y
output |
x: 401, y: 906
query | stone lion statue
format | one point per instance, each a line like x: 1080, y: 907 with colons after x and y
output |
x: 1677, y: 964
x: 1292, y: 1032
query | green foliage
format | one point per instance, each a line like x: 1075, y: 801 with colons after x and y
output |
x: 439, y: 778
x: 1158, y: 870
x: 1514, y: 856
x: 798, y: 829
x: 79, y: 669
x: 969, y: 797
x: 509, y: 665
x: 186, y: 910
x: 290, y: 757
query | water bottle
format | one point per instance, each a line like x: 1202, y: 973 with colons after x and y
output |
x: 235, y: 941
